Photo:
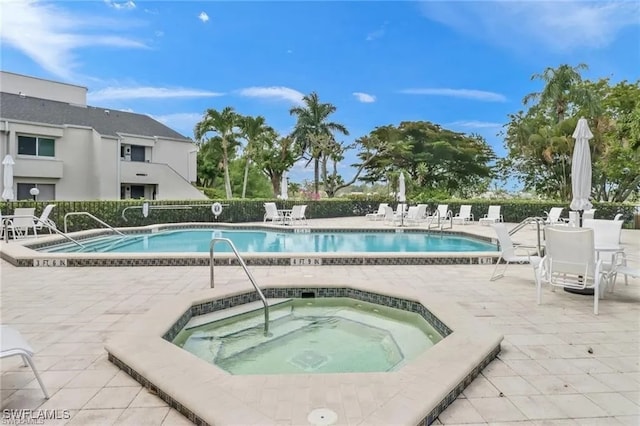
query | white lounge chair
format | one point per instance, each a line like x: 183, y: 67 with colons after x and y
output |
x: 570, y: 262
x: 23, y: 221
x: 44, y: 221
x: 508, y: 253
x: 390, y: 217
x: 297, y: 214
x: 464, y: 216
x: 553, y: 216
x: 493, y: 215
x: 11, y: 344
x: 378, y: 215
x: 271, y: 213
x: 416, y: 214
x: 441, y: 213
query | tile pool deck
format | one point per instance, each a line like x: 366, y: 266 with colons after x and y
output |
x: 559, y: 364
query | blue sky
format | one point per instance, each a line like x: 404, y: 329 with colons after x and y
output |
x: 464, y: 65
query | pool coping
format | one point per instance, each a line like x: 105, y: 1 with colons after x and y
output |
x: 22, y: 254
x: 413, y: 395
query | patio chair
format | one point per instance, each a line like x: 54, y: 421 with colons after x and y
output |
x: 23, y: 221
x: 389, y: 216
x: 6, y: 225
x: 629, y: 266
x: 464, y: 216
x: 297, y: 214
x: 508, y: 253
x: 589, y: 214
x: 606, y: 235
x: 441, y: 213
x: 420, y: 214
x: 43, y: 221
x: 492, y: 216
x: 272, y: 213
x: 570, y: 262
x: 553, y: 216
x: 11, y: 344
x: 377, y: 215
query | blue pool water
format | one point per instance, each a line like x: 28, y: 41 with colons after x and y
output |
x: 198, y: 240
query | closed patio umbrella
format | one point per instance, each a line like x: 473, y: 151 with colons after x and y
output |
x: 402, y: 198
x: 581, y: 168
x: 284, y: 187
x: 7, y: 191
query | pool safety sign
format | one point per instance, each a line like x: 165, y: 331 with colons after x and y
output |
x: 305, y: 261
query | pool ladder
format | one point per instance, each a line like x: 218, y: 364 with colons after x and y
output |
x: 246, y: 270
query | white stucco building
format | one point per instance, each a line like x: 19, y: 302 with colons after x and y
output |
x: 72, y: 151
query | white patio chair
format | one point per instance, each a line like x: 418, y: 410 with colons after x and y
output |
x: 11, y: 344
x: 389, y: 216
x: 23, y: 221
x: 43, y: 221
x: 272, y: 213
x: 508, y: 253
x: 464, y: 216
x: 493, y: 215
x: 606, y: 235
x: 297, y: 215
x: 442, y: 212
x: 553, y: 216
x: 629, y: 266
x: 570, y: 262
x: 378, y: 215
x: 6, y: 225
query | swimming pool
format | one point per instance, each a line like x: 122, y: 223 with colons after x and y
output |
x: 268, y: 241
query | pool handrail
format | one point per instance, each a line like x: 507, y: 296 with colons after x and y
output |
x: 44, y: 225
x: 100, y: 221
x: 246, y: 270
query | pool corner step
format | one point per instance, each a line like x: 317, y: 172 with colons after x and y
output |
x: 232, y: 312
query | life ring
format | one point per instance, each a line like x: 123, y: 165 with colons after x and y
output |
x: 216, y: 209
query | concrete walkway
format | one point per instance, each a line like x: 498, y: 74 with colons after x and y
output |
x: 560, y: 364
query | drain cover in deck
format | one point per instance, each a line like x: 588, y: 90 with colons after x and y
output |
x: 322, y: 417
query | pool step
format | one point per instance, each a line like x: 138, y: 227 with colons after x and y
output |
x: 199, y: 320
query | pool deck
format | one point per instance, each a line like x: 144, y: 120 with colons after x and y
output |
x: 559, y: 365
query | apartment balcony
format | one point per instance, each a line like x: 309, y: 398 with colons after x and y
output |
x: 39, y: 167
x: 142, y: 172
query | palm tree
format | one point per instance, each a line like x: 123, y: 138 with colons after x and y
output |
x: 562, y: 90
x: 312, y: 126
x: 254, y: 130
x: 224, y: 124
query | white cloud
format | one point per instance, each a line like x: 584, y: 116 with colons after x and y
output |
x: 479, y: 95
x: 364, y: 97
x: 118, y: 93
x: 379, y: 33
x: 203, y: 17
x: 474, y: 124
x: 121, y: 5
x: 274, y: 93
x: 184, y: 122
x: 554, y: 25
x: 50, y: 35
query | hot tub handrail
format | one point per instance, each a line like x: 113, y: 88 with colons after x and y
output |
x: 246, y: 270
x: 100, y: 221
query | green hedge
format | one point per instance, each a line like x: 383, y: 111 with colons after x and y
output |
x: 237, y: 211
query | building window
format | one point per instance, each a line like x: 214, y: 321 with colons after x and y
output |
x: 137, y: 153
x: 137, y: 191
x: 47, y: 191
x: 40, y: 147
